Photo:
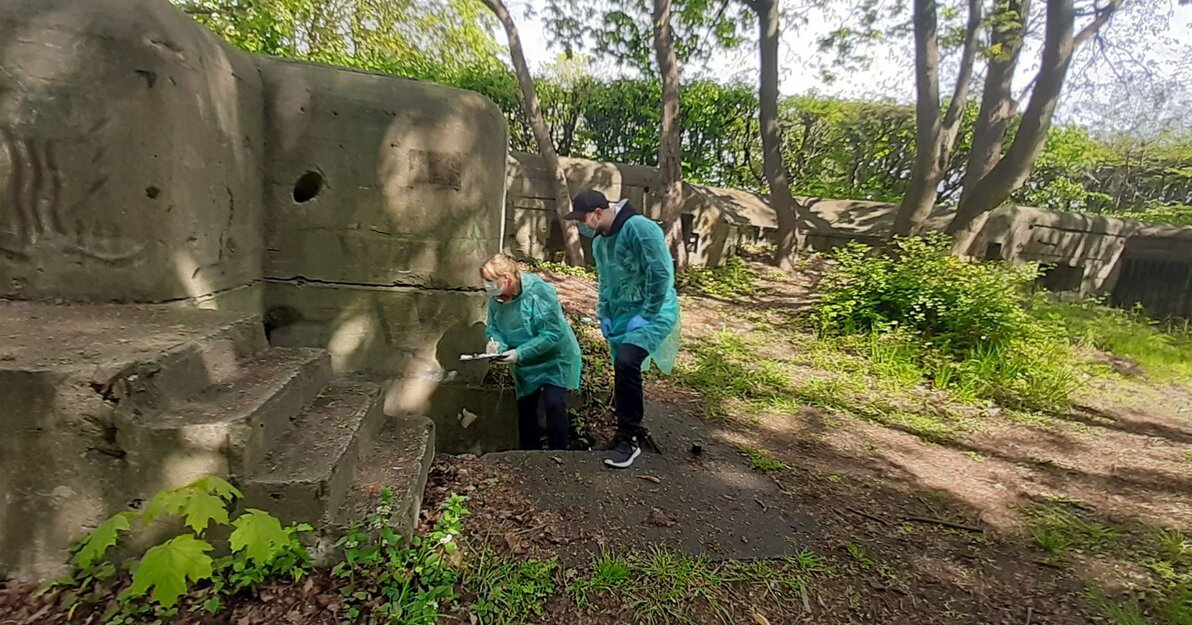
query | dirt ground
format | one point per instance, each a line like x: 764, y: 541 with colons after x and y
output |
x: 942, y: 523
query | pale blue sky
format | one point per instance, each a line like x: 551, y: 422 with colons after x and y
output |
x: 1170, y: 54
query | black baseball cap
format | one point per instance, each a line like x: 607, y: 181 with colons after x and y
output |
x: 585, y: 203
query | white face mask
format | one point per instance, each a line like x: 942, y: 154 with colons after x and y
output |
x: 493, y: 289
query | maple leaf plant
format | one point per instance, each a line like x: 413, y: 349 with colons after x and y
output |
x: 258, y: 548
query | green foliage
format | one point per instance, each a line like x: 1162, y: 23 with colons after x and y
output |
x: 167, y: 567
x: 564, y: 269
x: 261, y: 549
x: 663, y: 586
x: 970, y: 328
x: 858, y: 553
x: 732, y: 280
x: 392, y: 582
x: 259, y: 535
x: 1163, y: 353
x: 1057, y: 528
x: 760, y: 460
x: 91, y: 549
x: 505, y: 591
x: 424, y: 40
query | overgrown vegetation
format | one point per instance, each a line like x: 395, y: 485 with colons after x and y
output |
x: 1165, y: 555
x: 388, y: 581
x: 1163, y: 353
x: 151, y: 587
x: 963, y: 324
x: 663, y: 586
x: 731, y: 280
x: 506, y: 591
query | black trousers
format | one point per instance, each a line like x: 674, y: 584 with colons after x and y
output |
x: 558, y: 425
x: 627, y: 389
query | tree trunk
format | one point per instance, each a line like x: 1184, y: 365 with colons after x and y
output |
x: 670, y: 155
x: 571, y: 242
x: 934, y: 137
x: 997, y: 101
x: 1011, y: 171
x: 790, y: 239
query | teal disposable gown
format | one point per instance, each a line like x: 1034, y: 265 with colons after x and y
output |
x: 534, y: 325
x: 637, y: 277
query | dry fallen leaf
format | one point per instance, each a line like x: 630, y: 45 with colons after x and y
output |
x: 651, y: 478
x: 760, y: 619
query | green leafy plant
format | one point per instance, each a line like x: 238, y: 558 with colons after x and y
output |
x: 964, y: 325
x: 390, y: 581
x: 259, y: 549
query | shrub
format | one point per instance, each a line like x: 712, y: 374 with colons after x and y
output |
x: 973, y: 332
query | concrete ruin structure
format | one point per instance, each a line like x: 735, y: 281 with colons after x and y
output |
x: 167, y: 204
x: 1088, y: 255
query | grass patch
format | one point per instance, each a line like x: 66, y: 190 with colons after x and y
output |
x: 1057, y: 528
x: 663, y: 586
x: 506, y: 591
x: 1163, y: 353
x: 858, y: 554
x: 760, y: 460
x: 733, y: 377
x: 733, y: 279
x: 1165, y: 554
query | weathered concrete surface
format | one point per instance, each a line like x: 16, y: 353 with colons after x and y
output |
x: 492, y: 425
x: 412, y: 178
x: 399, y: 459
x: 1156, y: 272
x: 140, y: 161
x: 108, y: 108
x: 65, y: 374
x: 1084, y: 250
x: 399, y: 332
x: 307, y: 474
x: 716, y: 221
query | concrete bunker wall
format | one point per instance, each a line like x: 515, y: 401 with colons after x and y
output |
x: 143, y: 160
x: 382, y: 198
x: 130, y: 154
x: 1156, y: 272
x: 532, y: 232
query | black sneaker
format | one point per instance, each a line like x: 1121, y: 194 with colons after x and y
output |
x: 623, y: 453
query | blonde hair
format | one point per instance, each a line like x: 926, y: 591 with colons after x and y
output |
x: 500, y: 266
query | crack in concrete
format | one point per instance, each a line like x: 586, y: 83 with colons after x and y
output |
x: 301, y: 280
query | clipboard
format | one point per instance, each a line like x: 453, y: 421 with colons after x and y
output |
x: 467, y: 357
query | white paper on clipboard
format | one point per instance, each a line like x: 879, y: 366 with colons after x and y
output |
x: 466, y: 357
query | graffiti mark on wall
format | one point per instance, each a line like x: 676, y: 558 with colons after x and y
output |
x: 33, y: 211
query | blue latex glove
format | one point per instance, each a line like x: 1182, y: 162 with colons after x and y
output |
x: 636, y: 323
x: 606, y: 327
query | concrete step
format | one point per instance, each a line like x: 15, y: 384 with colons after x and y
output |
x: 306, y: 476
x: 227, y: 428
x: 400, y: 459
x: 128, y: 355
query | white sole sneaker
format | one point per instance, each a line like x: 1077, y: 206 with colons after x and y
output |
x: 637, y: 451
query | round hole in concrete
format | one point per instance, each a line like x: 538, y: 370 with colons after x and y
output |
x: 308, y: 187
